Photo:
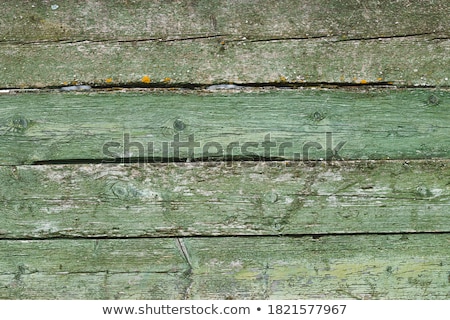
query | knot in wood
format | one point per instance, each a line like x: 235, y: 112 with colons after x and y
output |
x: 318, y: 116
x: 18, y: 124
x: 120, y: 190
x: 179, y: 125
x: 433, y: 100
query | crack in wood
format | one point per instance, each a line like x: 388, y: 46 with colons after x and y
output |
x: 344, y: 38
x: 200, y: 87
x: 135, y: 40
x: 182, y: 247
x: 232, y: 38
x: 212, y: 236
x: 188, y: 274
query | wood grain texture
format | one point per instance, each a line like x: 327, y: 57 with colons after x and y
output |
x: 344, y: 267
x: 91, y: 269
x: 141, y: 19
x: 183, y: 42
x: 350, y: 195
x: 289, y: 124
x: 250, y: 198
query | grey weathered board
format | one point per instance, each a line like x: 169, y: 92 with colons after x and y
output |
x: 370, y: 221
x: 189, y: 42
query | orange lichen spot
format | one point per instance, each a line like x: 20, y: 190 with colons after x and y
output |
x: 65, y: 83
x: 167, y: 80
x: 282, y: 79
x: 390, y: 82
x: 222, y: 42
x: 146, y: 79
x: 74, y: 83
x: 108, y: 80
x: 363, y: 81
x: 379, y: 79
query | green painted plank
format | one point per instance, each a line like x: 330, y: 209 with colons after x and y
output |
x: 342, y: 267
x: 92, y: 269
x: 248, y: 198
x: 92, y: 286
x: 114, y: 42
x: 283, y: 124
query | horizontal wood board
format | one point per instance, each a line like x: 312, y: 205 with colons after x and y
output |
x: 164, y: 43
x: 223, y: 199
x: 344, y: 267
x: 299, y: 124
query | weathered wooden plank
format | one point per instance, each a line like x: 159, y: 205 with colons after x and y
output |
x: 374, y: 267
x: 290, y: 124
x: 86, y: 269
x: 403, y: 61
x: 342, y: 267
x: 116, y: 42
x: 141, y: 19
x: 249, y: 198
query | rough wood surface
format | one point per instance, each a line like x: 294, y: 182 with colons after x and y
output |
x: 364, y: 215
x: 142, y: 19
x: 91, y: 269
x: 266, y: 198
x: 344, y: 267
x: 183, y: 42
x: 300, y: 124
